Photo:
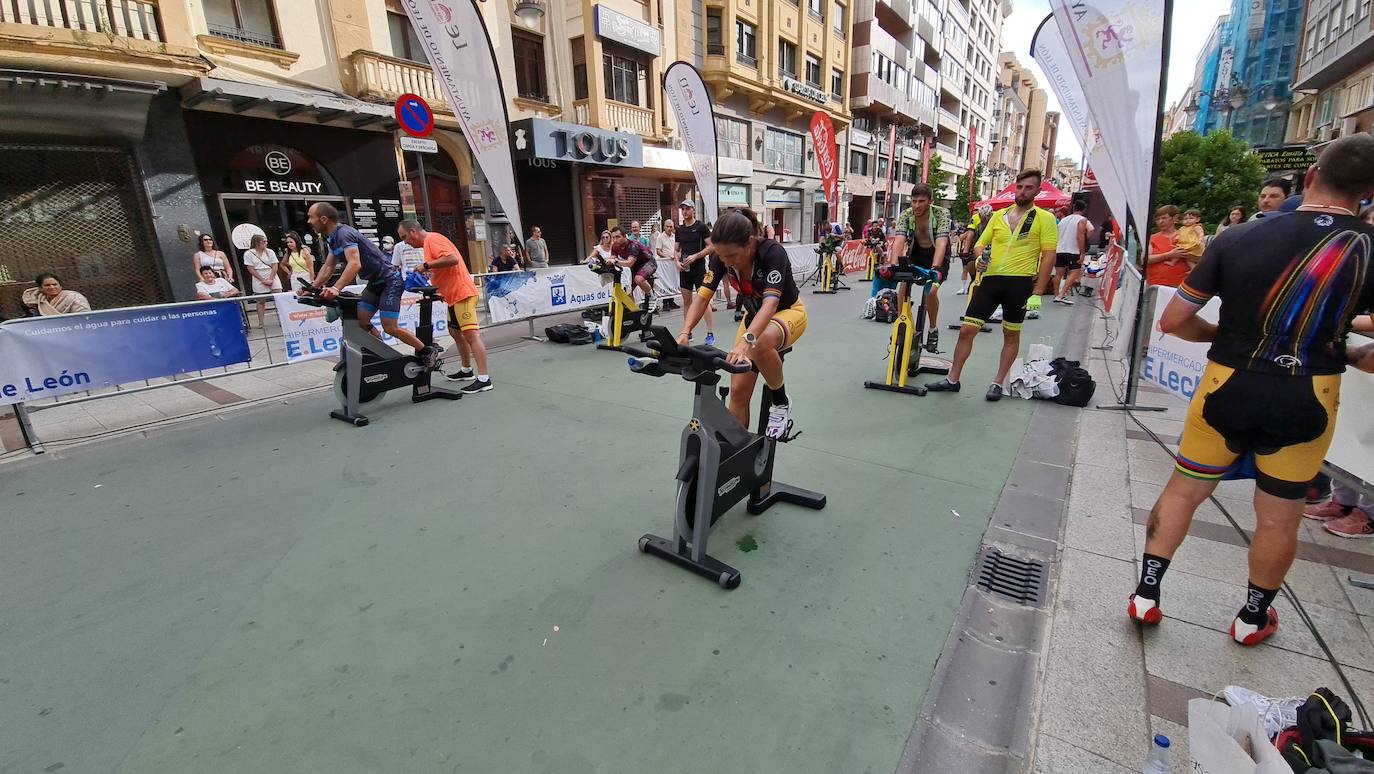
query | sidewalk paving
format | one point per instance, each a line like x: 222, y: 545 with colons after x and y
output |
x: 1107, y: 685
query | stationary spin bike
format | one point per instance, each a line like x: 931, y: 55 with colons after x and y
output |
x: 626, y: 316
x: 827, y: 274
x: 368, y: 368
x: 904, y: 347
x: 721, y: 463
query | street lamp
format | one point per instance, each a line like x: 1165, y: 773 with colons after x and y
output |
x: 529, y: 12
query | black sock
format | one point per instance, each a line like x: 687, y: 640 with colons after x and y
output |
x: 779, y: 395
x: 1151, y: 574
x: 1257, y: 602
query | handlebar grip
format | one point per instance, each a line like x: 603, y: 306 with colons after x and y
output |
x: 725, y: 365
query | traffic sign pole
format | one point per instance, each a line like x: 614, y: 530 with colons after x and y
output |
x: 424, y: 191
x: 417, y: 120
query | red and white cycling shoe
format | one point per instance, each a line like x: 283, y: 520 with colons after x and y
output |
x: 1249, y: 634
x: 1144, y: 610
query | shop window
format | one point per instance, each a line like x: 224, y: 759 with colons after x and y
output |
x: 783, y: 151
x: 745, y: 49
x: 405, y: 44
x: 530, y: 80
x: 787, y: 58
x: 858, y: 163
x: 715, y: 40
x: 626, y: 77
x: 732, y: 137
x: 247, y: 21
x: 813, y: 71
x: 836, y: 84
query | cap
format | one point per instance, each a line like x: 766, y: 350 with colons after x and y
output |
x: 688, y: 203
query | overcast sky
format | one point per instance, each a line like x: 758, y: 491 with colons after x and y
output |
x: 1190, y: 30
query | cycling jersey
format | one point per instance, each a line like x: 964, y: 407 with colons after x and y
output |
x: 937, y: 222
x: 1289, y: 287
x: 1016, y: 248
x: 631, y: 248
x: 771, y: 276
x: 373, y: 264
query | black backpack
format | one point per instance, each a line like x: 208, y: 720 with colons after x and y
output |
x: 560, y: 333
x: 885, y: 309
x: 1076, y: 386
x: 580, y: 335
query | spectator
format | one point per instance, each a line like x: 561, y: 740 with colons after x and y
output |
x: 298, y: 263
x: 1191, y: 238
x: 209, y: 255
x: 1368, y: 215
x: 536, y: 249
x: 848, y: 231
x: 506, y: 260
x: 211, y: 286
x: 1104, y: 235
x: 48, y: 298
x: 769, y: 232
x: 1271, y: 196
x: 1233, y: 218
x: 665, y: 242
x: 601, y: 251
x: 1168, y: 265
x: 261, y: 264
x: 517, y: 250
x: 637, y: 235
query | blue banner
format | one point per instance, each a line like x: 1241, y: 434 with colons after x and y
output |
x: 46, y: 356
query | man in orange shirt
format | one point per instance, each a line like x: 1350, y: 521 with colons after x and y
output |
x: 449, y: 273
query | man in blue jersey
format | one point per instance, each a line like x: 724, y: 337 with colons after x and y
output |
x: 363, y: 261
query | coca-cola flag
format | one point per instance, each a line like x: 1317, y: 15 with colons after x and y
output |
x: 823, y: 139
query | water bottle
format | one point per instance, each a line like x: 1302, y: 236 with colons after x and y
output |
x: 1158, y: 762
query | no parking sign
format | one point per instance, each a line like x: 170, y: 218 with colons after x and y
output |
x: 414, y: 115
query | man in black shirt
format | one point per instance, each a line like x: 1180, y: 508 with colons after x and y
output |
x: 1289, y: 288
x: 774, y: 317
x: 693, y: 248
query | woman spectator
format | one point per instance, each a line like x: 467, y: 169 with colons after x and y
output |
x: 505, y: 260
x: 261, y: 264
x: 209, y: 255
x: 296, y: 261
x: 211, y: 286
x: 516, y: 248
x: 48, y: 298
x: 602, y: 250
x: 848, y: 232
x: 1168, y: 265
x: 1233, y: 218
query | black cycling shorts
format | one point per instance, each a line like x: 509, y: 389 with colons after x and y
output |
x: 1068, y: 261
x: 694, y: 277
x: 1010, y: 293
x: 384, y: 294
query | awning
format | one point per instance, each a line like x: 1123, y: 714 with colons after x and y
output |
x: 672, y: 159
x: 60, y: 106
x: 286, y: 102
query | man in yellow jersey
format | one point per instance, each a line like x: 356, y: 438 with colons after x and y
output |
x: 1023, y: 240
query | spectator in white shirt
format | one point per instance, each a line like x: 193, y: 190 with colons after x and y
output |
x: 212, y: 286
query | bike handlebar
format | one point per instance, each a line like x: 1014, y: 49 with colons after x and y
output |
x: 661, y: 354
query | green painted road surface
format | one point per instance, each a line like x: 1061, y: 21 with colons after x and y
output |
x: 457, y: 588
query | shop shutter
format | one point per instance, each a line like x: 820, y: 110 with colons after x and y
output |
x: 638, y: 203
x: 78, y: 212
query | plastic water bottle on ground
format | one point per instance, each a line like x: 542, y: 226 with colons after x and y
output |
x: 1158, y: 762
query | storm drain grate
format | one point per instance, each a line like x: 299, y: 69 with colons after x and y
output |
x: 1019, y: 580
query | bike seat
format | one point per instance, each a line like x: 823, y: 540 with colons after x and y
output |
x: 428, y: 291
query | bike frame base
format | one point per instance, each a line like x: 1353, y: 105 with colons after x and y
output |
x: 709, y: 567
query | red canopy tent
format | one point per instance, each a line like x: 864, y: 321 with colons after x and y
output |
x: 1049, y: 198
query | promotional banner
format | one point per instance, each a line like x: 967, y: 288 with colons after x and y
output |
x: 1117, y: 49
x: 1111, y: 276
x: 696, y: 126
x: 544, y: 291
x: 1048, y: 50
x: 459, y: 49
x: 41, y: 357
x: 306, y: 334
x: 853, y: 254
x: 891, y: 162
x: 1352, y: 448
x: 823, y: 140
x: 1172, y: 363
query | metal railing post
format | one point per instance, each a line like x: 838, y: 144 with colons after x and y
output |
x: 21, y: 412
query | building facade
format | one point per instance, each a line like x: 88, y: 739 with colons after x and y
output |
x: 1026, y: 133
x: 1243, y: 82
x: 1334, y: 85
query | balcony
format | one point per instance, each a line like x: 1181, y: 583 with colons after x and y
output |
x: 112, y: 38
x: 380, y: 78
x: 617, y: 116
x: 948, y: 120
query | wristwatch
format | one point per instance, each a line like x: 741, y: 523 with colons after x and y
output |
x: 750, y: 338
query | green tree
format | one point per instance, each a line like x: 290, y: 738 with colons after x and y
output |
x: 937, y: 176
x: 959, y: 208
x: 1212, y: 174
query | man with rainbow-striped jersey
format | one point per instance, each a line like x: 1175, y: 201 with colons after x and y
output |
x: 1289, y: 288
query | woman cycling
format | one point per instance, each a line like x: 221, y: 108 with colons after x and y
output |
x: 774, y: 317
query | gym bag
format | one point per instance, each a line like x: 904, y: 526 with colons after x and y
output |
x: 580, y: 336
x: 885, y: 310
x: 1076, y: 386
x: 560, y: 333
